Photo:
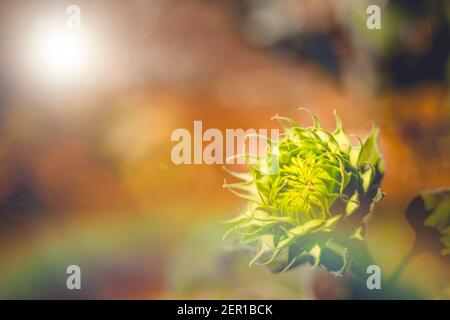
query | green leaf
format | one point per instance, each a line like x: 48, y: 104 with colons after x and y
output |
x: 431, y: 209
x: 358, y: 234
x: 335, y: 258
x: 266, y: 245
x: 340, y: 136
x: 438, y: 201
x: 352, y: 204
x: 367, y: 178
x: 315, y: 255
x: 378, y: 196
x: 306, y: 228
x: 331, y: 223
x: 370, y: 153
x: 355, y: 151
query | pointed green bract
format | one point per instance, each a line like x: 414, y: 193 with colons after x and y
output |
x: 303, y: 211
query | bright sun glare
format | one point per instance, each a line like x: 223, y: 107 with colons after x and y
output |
x: 60, y: 53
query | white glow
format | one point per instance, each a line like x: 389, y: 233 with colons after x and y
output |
x: 60, y: 53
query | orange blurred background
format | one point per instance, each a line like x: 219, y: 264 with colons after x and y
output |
x: 86, y: 176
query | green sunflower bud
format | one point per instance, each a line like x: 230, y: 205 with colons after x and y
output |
x: 312, y: 208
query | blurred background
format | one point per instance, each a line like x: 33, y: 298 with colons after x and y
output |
x: 86, y: 176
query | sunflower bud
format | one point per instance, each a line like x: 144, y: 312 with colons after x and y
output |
x: 312, y: 208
